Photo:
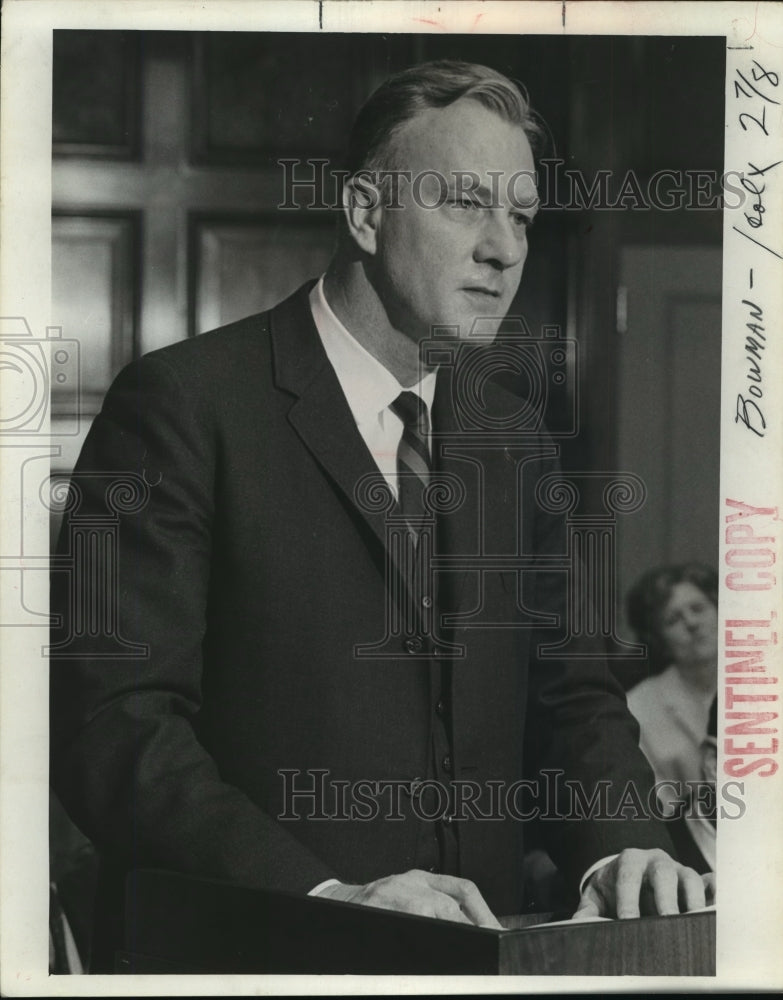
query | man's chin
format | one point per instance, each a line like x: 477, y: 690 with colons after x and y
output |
x: 478, y: 329
x: 481, y: 329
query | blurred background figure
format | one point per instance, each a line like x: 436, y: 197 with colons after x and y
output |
x: 674, y: 610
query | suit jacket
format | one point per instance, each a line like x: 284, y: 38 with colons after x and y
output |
x: 251, y: 573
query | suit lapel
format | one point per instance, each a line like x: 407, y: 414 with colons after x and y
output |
x: 321, y: 417
x: 319, y: 413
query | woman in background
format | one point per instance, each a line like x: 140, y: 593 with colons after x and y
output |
x: 674, y: 610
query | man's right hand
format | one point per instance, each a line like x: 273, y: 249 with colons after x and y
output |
x: 444, y: 896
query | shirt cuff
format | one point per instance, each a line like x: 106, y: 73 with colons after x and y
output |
x: 325, y: 885
x: 590, y: 871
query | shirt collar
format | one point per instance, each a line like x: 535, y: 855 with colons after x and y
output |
x: 369, y: 387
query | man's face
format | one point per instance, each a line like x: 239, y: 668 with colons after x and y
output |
x: 455, y: 250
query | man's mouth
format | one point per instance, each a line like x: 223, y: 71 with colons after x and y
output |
x: 494, y: 293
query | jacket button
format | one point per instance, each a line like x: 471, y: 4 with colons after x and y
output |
x: 413, y: 645
x: 446, y: 762
x: 427, y: 601
x: 440, y: 708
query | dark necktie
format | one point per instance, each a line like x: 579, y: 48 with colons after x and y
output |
x: 413, y: 458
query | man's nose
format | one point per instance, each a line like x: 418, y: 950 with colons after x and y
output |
x: 502, y: 242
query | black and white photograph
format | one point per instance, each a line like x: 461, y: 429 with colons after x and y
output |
x: 391, y: 437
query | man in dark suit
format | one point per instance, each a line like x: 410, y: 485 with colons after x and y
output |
x: 304, y: 693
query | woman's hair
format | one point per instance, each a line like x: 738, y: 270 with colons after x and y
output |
x: 650, y: 595
x: 434, y: 85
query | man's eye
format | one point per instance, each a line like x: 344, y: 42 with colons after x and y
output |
x: 523, y: 221
x: 463, y: 202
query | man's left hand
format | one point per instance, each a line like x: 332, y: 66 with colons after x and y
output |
x: 641, y: 883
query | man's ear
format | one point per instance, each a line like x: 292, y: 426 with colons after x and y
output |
x: 362, y: 208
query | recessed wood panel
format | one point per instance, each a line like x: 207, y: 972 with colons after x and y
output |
x: 256, y: 97
x: 96, y: 97
x: 242, y: 267
x: 669, y: 405
x: 694, y: 326
x: 94, y: 292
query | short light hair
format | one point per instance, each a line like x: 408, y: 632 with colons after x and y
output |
x: 434, y: 85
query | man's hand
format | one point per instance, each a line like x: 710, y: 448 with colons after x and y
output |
x: 444, y: 896
x: 640, y: 883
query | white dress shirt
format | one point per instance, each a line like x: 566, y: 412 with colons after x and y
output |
x: 369, y: 387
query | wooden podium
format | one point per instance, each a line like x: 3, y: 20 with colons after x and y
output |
x: 179, y: 924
